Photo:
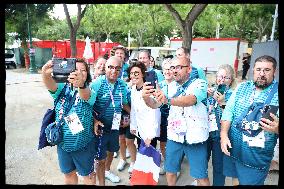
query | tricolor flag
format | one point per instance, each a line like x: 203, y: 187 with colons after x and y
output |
x: 146, y: 167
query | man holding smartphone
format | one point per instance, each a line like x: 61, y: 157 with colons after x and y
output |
x: 187, y: 129
x: 248, y: 158
x: 110, y: 93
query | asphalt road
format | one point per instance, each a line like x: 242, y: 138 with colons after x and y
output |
x: 26, y: 102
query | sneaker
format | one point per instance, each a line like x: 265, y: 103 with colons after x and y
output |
x: 162, y: 169
x: 121, y: 165
x: 194, y: 183
x: 112, y: 177
x: 178, y: 174
x: 127, y: 153
x: 115, y: 154
x: 130, y: 169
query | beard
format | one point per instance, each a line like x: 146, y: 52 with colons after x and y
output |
x: 261, y: 82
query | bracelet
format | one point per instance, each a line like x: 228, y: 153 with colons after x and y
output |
x: 84, y: 86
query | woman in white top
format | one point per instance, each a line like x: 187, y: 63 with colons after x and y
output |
x: 144, y: 120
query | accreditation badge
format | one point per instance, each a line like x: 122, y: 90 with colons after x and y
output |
x: 116, y: 121
x: 74, y: 123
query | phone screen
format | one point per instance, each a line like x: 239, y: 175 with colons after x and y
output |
x: 269, y: 109
x: 151, y: 77
x: 221, y: 88
x: 62, y: 68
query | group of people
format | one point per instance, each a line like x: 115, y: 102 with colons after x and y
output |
x: 115, y: 106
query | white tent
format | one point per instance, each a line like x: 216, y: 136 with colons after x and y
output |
x: 88, y: 52
x: 108, y: 41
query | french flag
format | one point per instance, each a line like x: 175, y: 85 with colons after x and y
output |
x: 146, y: 167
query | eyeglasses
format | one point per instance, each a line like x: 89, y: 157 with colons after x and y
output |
x: 117, y: 68
x: 223, y: 77
x: 167, y: 69
x: 177, y: 67
x: 134, y: 73
x: 265, y: 70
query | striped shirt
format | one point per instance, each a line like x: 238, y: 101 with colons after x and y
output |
x: 242, y: 98
x: 197, y: 72
x: 101, y: 90
x: 123, y: 72
x: 212, y: 101
x: 240, y: 101
x: 83, y: 109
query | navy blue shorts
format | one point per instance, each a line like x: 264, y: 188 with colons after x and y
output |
x: 163, y: 133
x: 126, y: 131
x: 81, y: 160
x: 109, y: 141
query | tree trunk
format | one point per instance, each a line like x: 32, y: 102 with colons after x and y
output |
x: 186, y: 25
x: 187, y: 36
x: 73, y: 44
x: 74, y: 27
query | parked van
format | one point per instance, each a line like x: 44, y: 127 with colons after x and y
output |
x: 158, y: 53
x: 10, y: 58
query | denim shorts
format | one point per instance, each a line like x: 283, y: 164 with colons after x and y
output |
x: 126, y: 131
x: 81, y: 160
x: 109, y: 141
x: 246, y: 175
x: 195, y: 153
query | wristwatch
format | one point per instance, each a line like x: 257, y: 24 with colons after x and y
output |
x: 84, y: 86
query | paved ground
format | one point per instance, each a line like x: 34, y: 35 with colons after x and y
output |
x: 26, y: 102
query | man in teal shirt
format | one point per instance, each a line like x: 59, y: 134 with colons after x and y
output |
x: 248, y: 157
x: 103, y: 91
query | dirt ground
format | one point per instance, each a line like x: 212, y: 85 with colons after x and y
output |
x: 26, y: 102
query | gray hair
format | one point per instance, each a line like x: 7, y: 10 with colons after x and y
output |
x: 229, y: 70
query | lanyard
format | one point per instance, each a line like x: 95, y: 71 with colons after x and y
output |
x: 67, y: 97
x: 112, y: 95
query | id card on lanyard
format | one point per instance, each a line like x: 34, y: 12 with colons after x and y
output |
x: 116, y: 116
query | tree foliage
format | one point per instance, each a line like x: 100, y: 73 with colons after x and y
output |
x: 148, y: 23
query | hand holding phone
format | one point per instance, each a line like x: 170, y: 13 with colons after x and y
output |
x: 151, y: 78
x: 269, y: 122
x: 62, y: 67
x: 222, y: 88
x: 269, y: 109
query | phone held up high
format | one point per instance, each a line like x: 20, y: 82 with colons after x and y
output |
x: 151, y: 77
x: 62, y: 67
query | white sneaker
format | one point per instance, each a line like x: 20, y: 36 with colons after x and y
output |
x: 127, y: 153
x: 194, y: 183
x: 162, y: 169
x: 115, y: 154
x: 112, y: 177
x: 178, y: 174
x: 121, y: 165
x: 130, y: 169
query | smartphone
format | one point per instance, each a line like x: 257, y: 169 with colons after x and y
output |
x: 62, y: 67
x: 151, y: 77
x: 221, y: 88
x: 269, y: 109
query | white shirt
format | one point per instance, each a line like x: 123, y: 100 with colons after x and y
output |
x: 194, y: 119
x: 144, y: 119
